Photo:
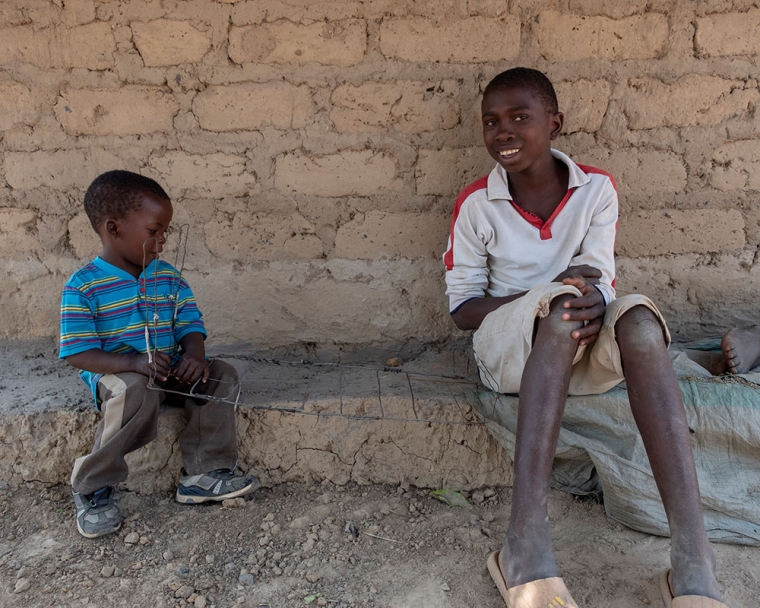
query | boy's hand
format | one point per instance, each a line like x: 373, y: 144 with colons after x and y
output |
x: 158, y: 369
x: 191, y: 367
x: 100, y: 362
x: 589, y: 307
x: 591, y: 274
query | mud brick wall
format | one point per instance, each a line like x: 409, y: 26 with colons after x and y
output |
x: 316, y: 148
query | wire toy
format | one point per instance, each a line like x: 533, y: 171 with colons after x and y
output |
x: 152, y: 300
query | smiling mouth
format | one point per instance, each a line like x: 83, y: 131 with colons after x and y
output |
x: 508, y: 153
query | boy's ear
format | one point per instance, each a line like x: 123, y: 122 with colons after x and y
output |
x: 558, y: 121
x: 111, y: 227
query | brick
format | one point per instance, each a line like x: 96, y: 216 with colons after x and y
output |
x: 728, y: 34
x: 348, y: 173
x: 210, y: 175
x: 566, y: 37
x: 677, y: 232
x: 61, y: 170
x: 82, y: 238
x: 738, y: 166
x: 252, y: 106
x: 262, y: 236
x: 88, y: 46
x: 406, y: 106
x: 642, y: 171
x: 165, y: 42
x: 18, y: 229
x: 584, y: 104
x: 45, y: 14
x: 17, y: 106
x: 692, y: 100
x: 395, y: 235
x: 131, y: 110
x: 472, y: 40
x: 615, y: 10
x: 445, y: 172
x: 351, y: 301
x: 340, y: 43
x: 247, y: 13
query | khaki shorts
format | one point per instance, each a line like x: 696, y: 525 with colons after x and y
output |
x: 505, y: 338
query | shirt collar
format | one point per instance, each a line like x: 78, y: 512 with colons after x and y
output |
x: 115, y: 270
x: 498, y: 186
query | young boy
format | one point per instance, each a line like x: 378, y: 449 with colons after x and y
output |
x: 530, y: 266
x: 130, y: 323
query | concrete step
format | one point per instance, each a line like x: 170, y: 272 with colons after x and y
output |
x: 345, y: 417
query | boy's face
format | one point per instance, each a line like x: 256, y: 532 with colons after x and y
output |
x: 134, y: 241
x: 518, y: 128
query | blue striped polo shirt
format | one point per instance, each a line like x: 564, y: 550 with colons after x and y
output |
x: 105, y: 307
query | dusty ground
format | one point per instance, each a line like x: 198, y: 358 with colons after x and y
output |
x: 294, y: 545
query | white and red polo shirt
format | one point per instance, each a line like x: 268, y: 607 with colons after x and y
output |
x: 498, y: 249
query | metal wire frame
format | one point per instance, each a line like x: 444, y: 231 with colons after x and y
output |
x: 234, y: 394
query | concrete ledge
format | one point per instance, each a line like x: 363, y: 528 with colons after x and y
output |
x: 47, y: 421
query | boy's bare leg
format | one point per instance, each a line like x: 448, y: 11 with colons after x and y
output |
x: 741, y: 350
x: 658, y: 410
x: 527, y: 554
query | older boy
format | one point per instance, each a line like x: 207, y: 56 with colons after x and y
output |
x: 530, y: 266
x: 131, y: 324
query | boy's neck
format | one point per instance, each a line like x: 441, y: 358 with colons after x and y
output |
x: 120, y: 263
x: 540, y: 189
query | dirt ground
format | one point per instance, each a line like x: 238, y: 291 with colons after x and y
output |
x: 321, y: 545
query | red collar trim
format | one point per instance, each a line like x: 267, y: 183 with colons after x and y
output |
x: 544, y: 227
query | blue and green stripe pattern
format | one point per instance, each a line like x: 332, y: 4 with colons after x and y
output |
x: 105, y: 307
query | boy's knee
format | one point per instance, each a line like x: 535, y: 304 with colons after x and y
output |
x: 129, y: 387
x: 554, y: 319
x: 222, y: 371
x: 640, y: 328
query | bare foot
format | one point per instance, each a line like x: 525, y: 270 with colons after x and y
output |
x: 527, y: 557
x: 741, y: 351
x: 694, y: 575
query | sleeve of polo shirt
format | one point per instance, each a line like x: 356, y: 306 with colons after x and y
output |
x: 78, y: 331
x: 598, y: 246
x: 466, y: 259
x: 189, y: 318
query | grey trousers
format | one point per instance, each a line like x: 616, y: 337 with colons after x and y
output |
x: 130, y: 421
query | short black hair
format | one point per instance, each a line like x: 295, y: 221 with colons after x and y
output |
x: 116, y: 193
x: 526, y: 78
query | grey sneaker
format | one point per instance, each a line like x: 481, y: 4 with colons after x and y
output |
x: 97, y: 513
x: 214, y: 486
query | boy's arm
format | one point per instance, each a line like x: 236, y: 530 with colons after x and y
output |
x: 589, y: 307
x: 101, y: 362
x: 598, y: 247
x: 81, y: 344
x: 471, y: 314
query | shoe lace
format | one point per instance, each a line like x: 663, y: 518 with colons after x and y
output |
x: 224, y: 474
x: 100, y: 498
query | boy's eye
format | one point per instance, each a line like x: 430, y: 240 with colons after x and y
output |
x: 520, y: 118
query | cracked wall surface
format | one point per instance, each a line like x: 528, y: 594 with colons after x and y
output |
x: 277, y: 447
x: 316, y: 148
